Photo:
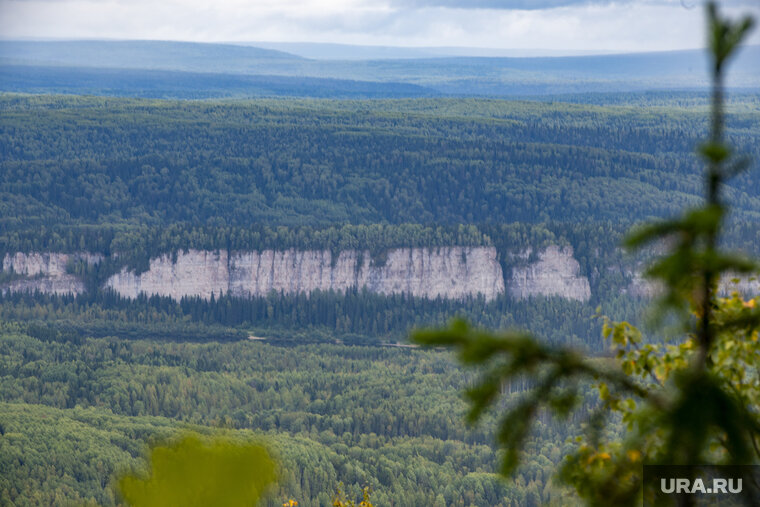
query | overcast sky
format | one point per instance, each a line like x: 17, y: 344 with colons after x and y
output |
x: 621, y: 25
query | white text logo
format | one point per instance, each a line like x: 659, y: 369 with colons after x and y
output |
x: 698, y: 486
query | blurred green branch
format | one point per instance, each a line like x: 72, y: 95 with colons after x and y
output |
x: 690, y: 403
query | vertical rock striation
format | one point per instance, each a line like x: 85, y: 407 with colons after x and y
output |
x: 45, y: 272
x: 556, y: 273
x: 449, y: 272
x: 193, y: 273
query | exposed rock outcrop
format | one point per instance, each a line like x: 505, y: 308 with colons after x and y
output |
x: 642, y: 287
x: 194, y: 273
x: 45, y: 272
x: 449, y: 272
x: 747, y: 286
x: 555, y: 273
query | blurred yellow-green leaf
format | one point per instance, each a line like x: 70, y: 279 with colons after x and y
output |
x: 195, y: 472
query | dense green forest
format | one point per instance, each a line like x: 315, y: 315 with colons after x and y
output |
x: 359, y: 317
x: 141, y: 178
x: 73, y: 412
x: 126, y: 163
x: 325, y: 389
x: 193, y: 85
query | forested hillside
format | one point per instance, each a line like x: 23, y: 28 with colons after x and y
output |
x: 134, y: 179
x: 136, y: 162
x: 321, y: 378
x: 192, y: 85
x: 387, y: 418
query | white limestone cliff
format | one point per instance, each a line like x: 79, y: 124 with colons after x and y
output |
x: 194, y: 273
x: 745, y: 285
x: 555, y: 273
x: 449, y: 272
x: 45, y: 272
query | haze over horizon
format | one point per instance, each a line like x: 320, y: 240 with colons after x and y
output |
x: 537, y: 27
x: 345, y: 51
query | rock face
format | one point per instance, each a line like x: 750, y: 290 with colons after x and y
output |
x: 45, y: 272
x: 556, y: 273
x: 642, y: 287
x: 449, y: 272
x: 745, y: 285
x: 195, y: 273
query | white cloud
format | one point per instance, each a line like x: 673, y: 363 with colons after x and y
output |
x: 621, y: 25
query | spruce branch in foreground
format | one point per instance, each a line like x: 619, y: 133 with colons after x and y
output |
x: 686, y: 403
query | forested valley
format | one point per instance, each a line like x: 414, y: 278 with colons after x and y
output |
x: 326, y: 380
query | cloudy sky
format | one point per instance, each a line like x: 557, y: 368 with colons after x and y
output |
x: 609, y: 25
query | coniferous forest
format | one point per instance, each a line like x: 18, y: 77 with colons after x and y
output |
x: 327, y: 381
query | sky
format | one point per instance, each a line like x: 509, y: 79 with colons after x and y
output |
x: 559, y: 25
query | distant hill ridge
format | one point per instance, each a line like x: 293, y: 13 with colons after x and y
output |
x: 157, y: 83
x: 438, y: 75
x: 133, y: 53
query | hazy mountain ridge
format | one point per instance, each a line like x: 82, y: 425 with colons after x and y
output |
x: 337, y: 51
x: 442, y: 75
x: 139, y: 54
x: 191, y: 85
